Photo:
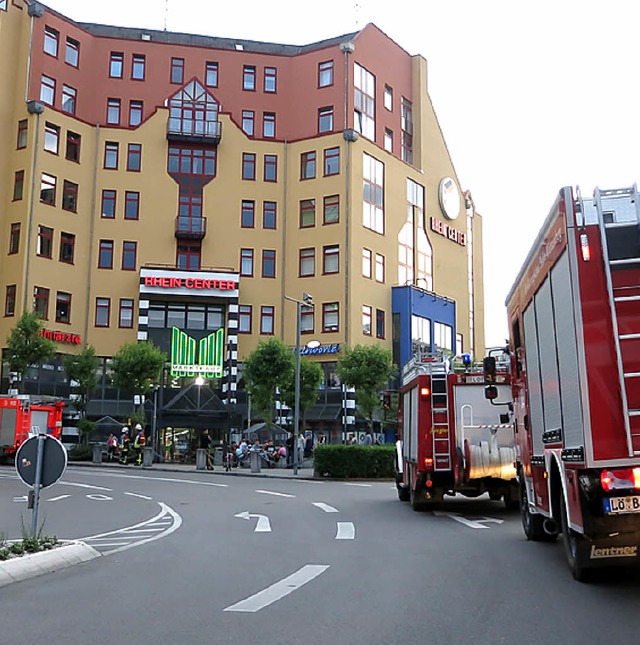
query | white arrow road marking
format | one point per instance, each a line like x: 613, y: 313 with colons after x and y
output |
x: 262, y: 526
x: 137, y: 495
x: 325, y: 507
x: 474, y: 524
x: 272, y: 492
x: 21, y: 498
x: 100, y: 498
x: 56, y: 499
x: 346, y: 531
x: 280, y: 589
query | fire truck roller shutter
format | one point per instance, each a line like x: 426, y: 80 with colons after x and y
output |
x: 490, y: 460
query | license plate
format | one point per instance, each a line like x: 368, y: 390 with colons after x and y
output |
x: 617, y: 505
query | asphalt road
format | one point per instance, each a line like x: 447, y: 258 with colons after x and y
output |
x: 191, y: 559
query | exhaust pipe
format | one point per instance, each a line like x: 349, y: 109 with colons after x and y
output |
x: 550, y: 527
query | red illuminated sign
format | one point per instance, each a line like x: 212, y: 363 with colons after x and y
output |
x: 61, y: 336
x: 189, y: 283
x: 449, y: 232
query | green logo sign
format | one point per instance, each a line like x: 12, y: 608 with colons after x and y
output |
x: 190, y: 357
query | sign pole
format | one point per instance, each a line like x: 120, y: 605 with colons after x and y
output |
x: 37, y: 484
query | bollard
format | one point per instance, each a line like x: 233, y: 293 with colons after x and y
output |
x: 147, y: 457
x: 201, y: 459
x: 97, y: 453
x: 255, y: 461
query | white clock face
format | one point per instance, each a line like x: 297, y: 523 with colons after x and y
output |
x: 449, y: 197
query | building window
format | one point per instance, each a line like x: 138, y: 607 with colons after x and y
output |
x: 111, y: 150
x: 47, y: 90
x: 269, y: 125
x: 307, y: 263
x: 248, y: 166
x: 325, y: 73
x: 105, y: 254
x: 373, y: 194
x: 138, y: 63
x: 23, y: 131
x: 325, y: 119
x: 330, y: 317
x: 113, y: 111
x: 134, y: 157
x: 244, y: 319
x: 246, y: 262
x: 248, y: 122
x: 131, y: 204
x: 267, y: 315
x: 18, y: 185
x: 306, y: 319
x: 67, y: 247
x: 366, y: 320
x: 380, y: 323
x: 73, y: 146
x: 379, y: 267
x: 135, y: 113
x: 367, y: 263
x: 415, y: 254
x: 211, y: 74
x: 268, y: 263
x: 10, y: 300
x: 103, y: 312
x: 177, y: 70
x: 388, y: 98
x: 331, y: 161
x: 407, y: 130
x: 269, y: 215
x: 116, y: 64
x: 270, y: 168
x: 41, y: 302
x: 69, y: 196
x: 69, y: 95
x: 189, y: 161
x: 331, y: 209
x: 249, y: 78
x: 248, y: 217
x: 364, y: 102
x: 388, y: 140
x: 108, y: 204
x: 125, y: 315
x: 188, y: 256
x: 63, y: 307
x: 270, y: 79
x: 45, y: 242
x: 51, y: 138
x: 442, y: 336
x: 72, y: 52
x: 48, y: 189
x: 14, y: 238
x: 307, y: 213
x: 308, y: 165
x: 129, y: 253
x: 331, y: 259
x: 51, y: 37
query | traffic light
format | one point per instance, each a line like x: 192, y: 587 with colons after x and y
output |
x: 386, y: 400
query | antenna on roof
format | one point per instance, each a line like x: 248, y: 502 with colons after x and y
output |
x: 166, y: 13
x: 356, y: 12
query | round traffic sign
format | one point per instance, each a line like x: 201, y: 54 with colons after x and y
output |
x: 54, y: 461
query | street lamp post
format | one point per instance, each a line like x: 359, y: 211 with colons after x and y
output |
x: 308, y: 301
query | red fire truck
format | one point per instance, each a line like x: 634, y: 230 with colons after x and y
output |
x: 451, y: 439
x: 574, y: 318
x: 25, y: 415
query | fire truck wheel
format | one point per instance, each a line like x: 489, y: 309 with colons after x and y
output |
x: 571, y: 540
x: 532, y: 523
x: 416, y: 499
x: 404, y: 493
x: 512, y: 498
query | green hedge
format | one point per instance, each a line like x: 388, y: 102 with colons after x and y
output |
x: 354, y: 461
x: 81, y: 453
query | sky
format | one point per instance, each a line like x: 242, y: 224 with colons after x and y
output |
x: 530, y: 96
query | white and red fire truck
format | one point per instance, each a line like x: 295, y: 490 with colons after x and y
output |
x: 451, y: 439
x: 574, y: 318
x: 24, y: 415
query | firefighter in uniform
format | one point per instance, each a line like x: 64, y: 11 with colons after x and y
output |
x: 124, y: 445
x: 138, y: 443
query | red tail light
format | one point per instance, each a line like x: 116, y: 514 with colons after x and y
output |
x: 584, y: 245
x: 425, y: 392
x: 621, y: 478
x: 428, y: 462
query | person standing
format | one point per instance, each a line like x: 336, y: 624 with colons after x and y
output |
x: 125, y: 441
x: 205, y: 444
x: 139, y: 443
x: 368, y: 439
x: 301, y: 445
x: 112, y: 447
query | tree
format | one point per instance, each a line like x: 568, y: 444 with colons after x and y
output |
x: 269, y: 366
x: 26, y: 346
x: 82, y: 369
x: 368, y: 369
x: 311, y: 375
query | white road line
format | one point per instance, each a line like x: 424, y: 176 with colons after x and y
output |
x: 262, y: 526
x: 109, y: 490
x: 21, y: 498
x: 56, y: 499
x: 279, y: 590
x: 473, y: 524
x: 346, y: 531
x: 157, y: 479
x: 146, y: 529
x: 357, y: 484
x: 137, y: 495
x: 325, y: 507
x: 272, y: 492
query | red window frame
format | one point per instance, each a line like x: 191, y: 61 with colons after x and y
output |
x: 189, y: 256
x: 330, y: 157
x: 22, y: 134
x: 131, y: 205
x: 136, y: 109
x: 248, y: 166
x: 329, y: 252
x: 308, y: 254
x: 69, y: 196
x: 329, y: 202
x: 63, y: 298
x: 211, y: 72
x: 108, y: 203
x: 249, y: 78
x: 41, y: 302
x: 103, y: 306
x: 267, y: 315
x: 18, y: 185
x: 246, y: 258
x: 268, y: 263
x: 270, y: 80
x: 380, y: 323
x: 48, y: 183
x: 67, y: 248
x: 248, y: 122
x: 14, y: 238
x: 325, y: 73
x: 269, y: 215
x: 138, y: 67
x: 125, y: 320
x: 367, y: 315
x: 329, y: 308
x: 308, y: 165
x: 105, y: 254
x: 114, y: 107
x: 248, y: 214
x: 44, y: 248
x: 134, y: 157
x: 270, y: 168
x: 73, y: 146
x: 72, y: 52
x: 307, y: 209
x: 245, y: 314
x: 177, y: 71
x: 129, y: 255
x: 111, y: 152
x: 69, y: 94
x: 51, y: 136
x: 116, y: 64
x: 51, y: 39
x: 48, y: 83
x: 307, y: 320
x: 325, y: 119
x: 379, y: 266
x: 10, y: 300
x: 268, y: 125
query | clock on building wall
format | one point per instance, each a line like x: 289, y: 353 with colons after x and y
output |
x: 449, y: 197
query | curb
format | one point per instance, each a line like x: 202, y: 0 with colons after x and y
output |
x: 37, y: 564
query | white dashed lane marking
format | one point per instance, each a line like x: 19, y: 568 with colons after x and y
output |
x: 345, y: 531
x: 325, y: 507
x: 272, y: 492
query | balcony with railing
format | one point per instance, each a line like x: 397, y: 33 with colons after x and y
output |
x: 190, y: 228
x: 194, y: 130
